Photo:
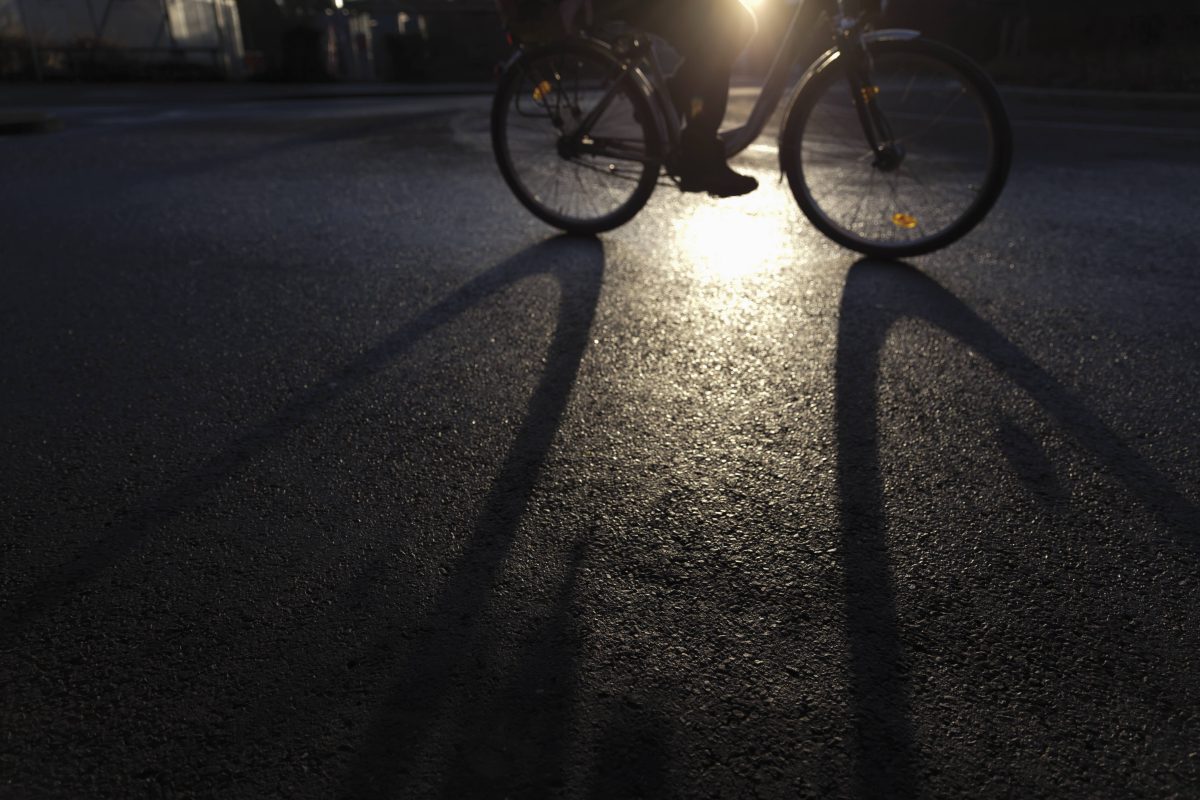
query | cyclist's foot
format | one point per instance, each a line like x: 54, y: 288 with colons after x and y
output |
x: 702, y: 168
x: 716, y: 179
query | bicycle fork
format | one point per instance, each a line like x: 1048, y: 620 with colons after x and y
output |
x: 888, y: 153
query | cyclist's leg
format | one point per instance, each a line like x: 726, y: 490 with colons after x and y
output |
x: 709, y: 35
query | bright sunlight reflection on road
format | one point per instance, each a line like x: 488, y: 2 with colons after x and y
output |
x: 730, y: 240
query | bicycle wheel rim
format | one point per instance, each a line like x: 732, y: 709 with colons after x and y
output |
x: 954, y: 144
x: 590, y: 192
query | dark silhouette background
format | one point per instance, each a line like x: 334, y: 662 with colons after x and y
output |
x: 1097, y: 45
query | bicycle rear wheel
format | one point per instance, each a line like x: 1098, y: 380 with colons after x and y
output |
x: 586, y: 184
x: 944, y: 157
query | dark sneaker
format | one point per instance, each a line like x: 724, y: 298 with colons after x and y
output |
x: 702, y: 168
x: 716, y: 179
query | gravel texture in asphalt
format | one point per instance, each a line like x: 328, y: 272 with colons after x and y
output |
x: 329, y: 472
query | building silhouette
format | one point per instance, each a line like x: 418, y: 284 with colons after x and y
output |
x: 120, y: 38
x: 1068, y: 43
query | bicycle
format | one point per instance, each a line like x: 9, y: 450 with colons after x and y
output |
x: 893, y: 145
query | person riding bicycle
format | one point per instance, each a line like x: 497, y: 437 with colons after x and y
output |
x: 709, y: 35
x: 893, y: 145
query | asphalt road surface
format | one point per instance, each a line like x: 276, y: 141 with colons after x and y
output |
x: 330, y: 472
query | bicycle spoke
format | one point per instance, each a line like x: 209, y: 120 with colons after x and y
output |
x: 581, y: 102
x: 934, y: 123
x: 928, y: 177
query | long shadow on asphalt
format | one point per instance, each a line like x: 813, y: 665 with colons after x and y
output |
x: 474, y: 711
x: 877, y: 296
x: 577, y: 264
x: 513, y: 738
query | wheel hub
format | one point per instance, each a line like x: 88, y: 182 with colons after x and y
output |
x: 888, y: 157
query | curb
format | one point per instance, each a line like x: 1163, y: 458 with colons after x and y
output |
x: 22, y: 122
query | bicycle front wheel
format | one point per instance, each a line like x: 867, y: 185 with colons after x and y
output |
x: 942, y: 157
x: 581, y: 181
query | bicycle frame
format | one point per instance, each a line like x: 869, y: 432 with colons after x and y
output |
x: 848, y: 43
x: 870, y: 94
x: 801, y: 33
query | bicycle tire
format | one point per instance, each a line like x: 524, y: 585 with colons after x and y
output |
x: 898, y: 230
x: 629, y: 113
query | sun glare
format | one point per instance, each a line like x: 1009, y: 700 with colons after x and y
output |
x: 730, y: 242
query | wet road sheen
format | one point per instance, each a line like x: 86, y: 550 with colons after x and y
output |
x: 329, y: 472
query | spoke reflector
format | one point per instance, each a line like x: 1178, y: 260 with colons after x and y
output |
x: 902, y: 220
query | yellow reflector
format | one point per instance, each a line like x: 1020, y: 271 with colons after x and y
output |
x: 902, y: 220
x: 541, y: 90
x: 869, y: 91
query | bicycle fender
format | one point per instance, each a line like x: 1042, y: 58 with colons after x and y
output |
x: 822, y: 61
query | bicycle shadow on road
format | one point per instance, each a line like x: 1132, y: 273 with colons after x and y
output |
x: 481, y: 699
x: 576, y: 263
x: 514, y: 729
x: 877, y: 296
